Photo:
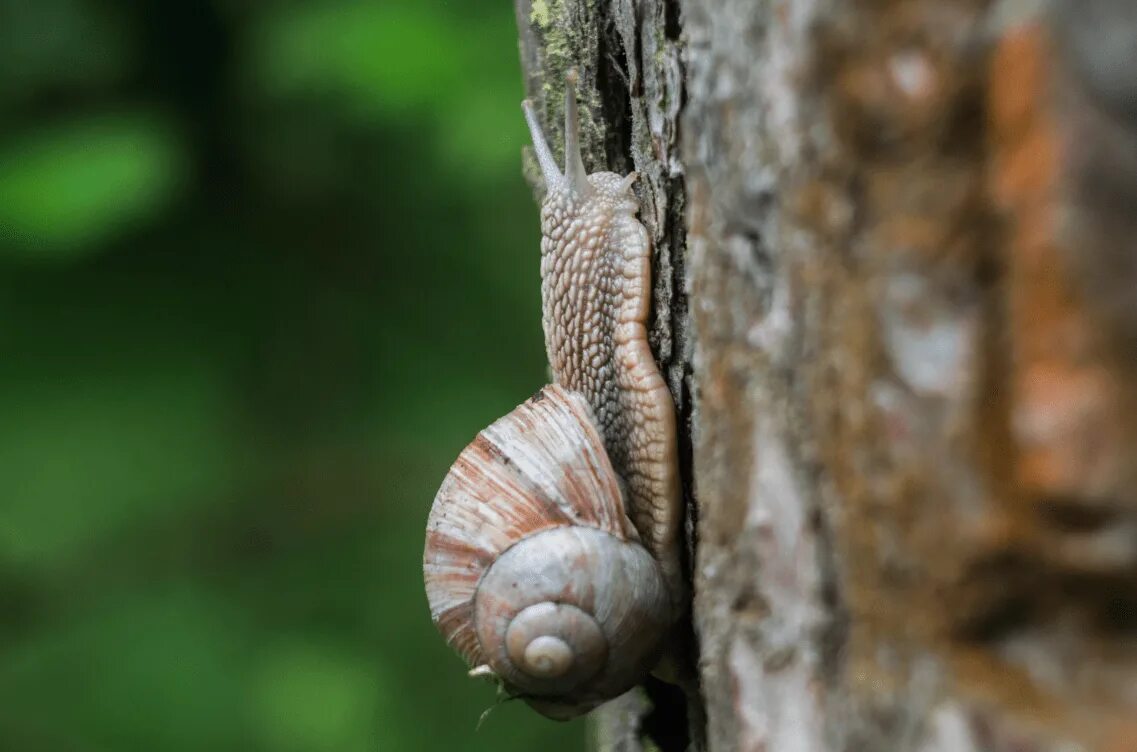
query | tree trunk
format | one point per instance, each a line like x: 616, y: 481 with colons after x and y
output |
x: 896, y: 301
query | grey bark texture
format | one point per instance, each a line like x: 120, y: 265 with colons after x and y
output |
x: 896, y: 302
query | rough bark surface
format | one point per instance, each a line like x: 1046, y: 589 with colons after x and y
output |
x: 896, y: 301
x: 913, y: 295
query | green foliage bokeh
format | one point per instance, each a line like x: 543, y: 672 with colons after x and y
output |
x: 264, y: 269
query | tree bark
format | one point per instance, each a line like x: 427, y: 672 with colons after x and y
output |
x: 896, y: 301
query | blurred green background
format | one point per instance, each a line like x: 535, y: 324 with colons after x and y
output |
x: 265, y: 268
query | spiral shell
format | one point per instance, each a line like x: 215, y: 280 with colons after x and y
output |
x: 533, y: 568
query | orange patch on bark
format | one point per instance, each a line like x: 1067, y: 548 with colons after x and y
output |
x: 1062, y: 394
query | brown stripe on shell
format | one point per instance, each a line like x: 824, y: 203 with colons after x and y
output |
x: 565, y: 427
x: 541, y: 466
x: 538, y: 512
x: 457, y: 623
x: 445, y: 545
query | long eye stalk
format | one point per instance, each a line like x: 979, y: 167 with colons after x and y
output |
x: 574, y: 165
x: 574, y: 175
x: 541, y: 146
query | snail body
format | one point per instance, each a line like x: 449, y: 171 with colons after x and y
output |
x: 551, y: 559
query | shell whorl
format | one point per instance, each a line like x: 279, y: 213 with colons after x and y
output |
x: 532, y: 566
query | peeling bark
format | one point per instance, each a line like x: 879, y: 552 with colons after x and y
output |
x: 896, y: 301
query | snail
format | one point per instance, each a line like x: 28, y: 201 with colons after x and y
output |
x: 551, y: 560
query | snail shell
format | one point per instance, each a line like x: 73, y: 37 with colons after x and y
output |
x: 534, y: 572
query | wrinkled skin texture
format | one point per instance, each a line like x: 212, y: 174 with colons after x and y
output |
x: 596, y: 293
